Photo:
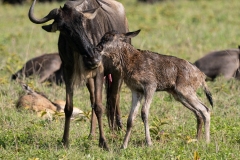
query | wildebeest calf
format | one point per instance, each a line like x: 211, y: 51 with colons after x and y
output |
x: 145, y: 72
x: 46, y: 67
x: 37, y: 101
x: 220, y: 63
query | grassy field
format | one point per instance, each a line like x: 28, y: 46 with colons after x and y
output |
x: 186, y: 29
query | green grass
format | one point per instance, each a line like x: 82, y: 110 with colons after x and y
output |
x: 186, y: 29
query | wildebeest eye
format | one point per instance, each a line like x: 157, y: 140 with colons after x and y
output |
x: 99, y: 48
x: 105, y: 39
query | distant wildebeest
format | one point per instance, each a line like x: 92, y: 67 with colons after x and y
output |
x: 145, y: 72
x: 82, y: 23
x: 38, y: 102
x: 20, y: 2
x: 46, y: 67
x: 150, y: 1
x: 13, y: 2
x: 220, y: 63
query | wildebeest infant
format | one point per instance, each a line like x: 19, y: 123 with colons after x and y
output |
x: 38, y: 102
x: 46, y: 67
x: 145, y: 72
x: 220, y: 63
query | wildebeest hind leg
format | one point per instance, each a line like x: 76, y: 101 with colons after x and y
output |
x: 192, y: 102
x: 113, y: 99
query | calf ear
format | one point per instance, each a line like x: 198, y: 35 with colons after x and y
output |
x: 90, y: 14
x: 132, y: 34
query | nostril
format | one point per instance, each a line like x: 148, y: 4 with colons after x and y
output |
x: 96, y: 61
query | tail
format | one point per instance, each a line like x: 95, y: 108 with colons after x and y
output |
x: 208, y: 93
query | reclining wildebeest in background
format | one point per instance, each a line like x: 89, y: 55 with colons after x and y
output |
x: 46, y: 67
x: 82, y: 23
x: 39, y: 102
x: 220, y: 63
x: 145, y: 72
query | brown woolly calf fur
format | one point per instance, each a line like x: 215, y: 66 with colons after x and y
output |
x: 145, y: 72
x: 38, y: 102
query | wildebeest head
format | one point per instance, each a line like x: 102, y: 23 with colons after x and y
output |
x: 112, y: 39
x: 70, y: 23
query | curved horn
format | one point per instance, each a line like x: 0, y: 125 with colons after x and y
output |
x: 51, y: 15
x: 73, y: 3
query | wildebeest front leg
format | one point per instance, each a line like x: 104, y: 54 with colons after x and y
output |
x: 68, y: 107
x: 98, y: 108
x: 91, y: 89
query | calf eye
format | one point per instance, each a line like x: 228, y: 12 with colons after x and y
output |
x: 99, y: 48
x: 105, y: 39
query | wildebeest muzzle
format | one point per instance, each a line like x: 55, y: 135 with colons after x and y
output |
x: 92, y: 62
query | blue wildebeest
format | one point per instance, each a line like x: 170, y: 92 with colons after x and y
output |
x: 220, y: 63
x: 82, y: 23
x: 46, y: 67
x: 145, y: 72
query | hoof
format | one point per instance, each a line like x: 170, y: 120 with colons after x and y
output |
x: 65, y: 143
x: 103, y: 144
x: 119, y: 125
x: 149, y: 144
x: 123, y: 147
x: 91, y: 136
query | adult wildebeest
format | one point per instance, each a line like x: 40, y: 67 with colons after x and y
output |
x: 24, y: 1
x: 47, y: 67
x: 82, y: 23
x: 220, y: 63
x: 149, y: 1
x: 145, y: 72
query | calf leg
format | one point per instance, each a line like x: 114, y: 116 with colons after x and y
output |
x: 200, y: 110
x: 145, y: 112
x: 205, y: 111
x: 197, y: 114
x: 136, y: 99
x: 199, y: 124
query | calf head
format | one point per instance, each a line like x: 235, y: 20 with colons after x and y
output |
x: 70, y: 23
x: 112, y: 41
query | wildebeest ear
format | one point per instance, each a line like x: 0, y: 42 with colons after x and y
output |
x: 90, y: 14
x: 132, y: 34
x: 50, y: 28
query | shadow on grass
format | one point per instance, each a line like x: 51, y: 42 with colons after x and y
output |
x: 238, y: 141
